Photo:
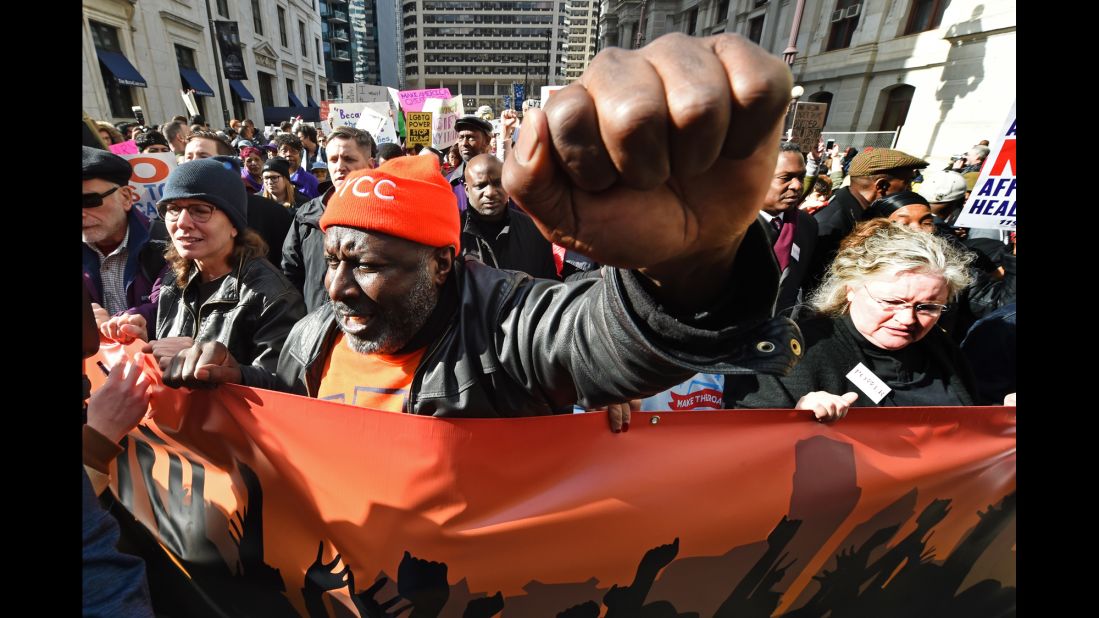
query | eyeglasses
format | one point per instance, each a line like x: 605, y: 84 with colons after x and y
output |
x: 272, y: 178
x: 200, y: 213
x: 931, y: 310
x: 94, y: 200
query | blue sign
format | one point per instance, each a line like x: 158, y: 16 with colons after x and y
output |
x: 520, y: 94
x: 507, y: 101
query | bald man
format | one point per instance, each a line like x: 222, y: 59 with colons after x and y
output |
x: 496, y: 234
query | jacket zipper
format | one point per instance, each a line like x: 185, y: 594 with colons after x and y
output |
x: 416, y: 374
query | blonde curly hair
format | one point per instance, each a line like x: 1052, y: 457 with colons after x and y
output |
x: 880, y: 248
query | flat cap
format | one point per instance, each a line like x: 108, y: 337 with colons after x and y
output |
x: 473, y: 122
x: 878, y: 160
x: 106, y: 166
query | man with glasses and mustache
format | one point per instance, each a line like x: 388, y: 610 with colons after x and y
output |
x: 122, y: 263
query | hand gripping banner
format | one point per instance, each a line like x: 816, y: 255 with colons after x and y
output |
x: 248, y: 502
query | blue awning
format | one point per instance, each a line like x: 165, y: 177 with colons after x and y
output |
x: 194, y: 81
x: 312, y: 103
x: 124, y: 73
x: 294, y: 100
x: 242, y: 92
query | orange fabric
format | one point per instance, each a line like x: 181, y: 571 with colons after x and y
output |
x: 376, y: 381
x: 406, y: 197
x: 738, y: 509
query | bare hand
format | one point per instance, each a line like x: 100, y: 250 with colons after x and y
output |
x: 165, y: 349
x: 119, y: 405
x: 656, y: 158
x: 100, y: 314
x: 618, y: 414
x: 125, y: 328
x: 202, y: 365
x: 509, y: 121
x: 826, y: 406
x: 1009, y: 399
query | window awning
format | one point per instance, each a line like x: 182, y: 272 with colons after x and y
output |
x: 118, y: 66
x: 194, y: 81
x: 242, y: 92
x: 294, y: 100
x: 312, y: 103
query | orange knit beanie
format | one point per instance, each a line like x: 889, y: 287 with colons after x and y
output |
x: 406, y: 197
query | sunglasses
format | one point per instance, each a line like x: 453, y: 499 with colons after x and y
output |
x: 93, y: 200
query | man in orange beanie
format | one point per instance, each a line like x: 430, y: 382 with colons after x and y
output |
x: 654, y: 162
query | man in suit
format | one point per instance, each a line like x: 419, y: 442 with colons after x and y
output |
x: 793, y: 233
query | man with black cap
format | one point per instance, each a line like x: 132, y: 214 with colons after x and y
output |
x: 122, y: 262
x: 690, y: 283
x: 474, y: 137
x: 875, y: 173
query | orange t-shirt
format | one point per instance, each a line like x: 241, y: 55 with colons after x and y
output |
x: 377, y: 381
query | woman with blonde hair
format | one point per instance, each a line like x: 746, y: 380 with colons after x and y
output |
x: 874, y: 339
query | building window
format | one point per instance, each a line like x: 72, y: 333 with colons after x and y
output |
x: 301, y: 39
x: 308, y: 93
x: 692, y: 20
x: 119, y: 97
x: 926, y: 15
x: 755, y: 29
x: 319, y: 57
x: 723, y: 10
x: 844, y: 20
x: 266, y: 89
x: 223, y: 8
x: 289, y: 91
x: 282, y: 27
x: 897, y: 103
x: 257, y: 20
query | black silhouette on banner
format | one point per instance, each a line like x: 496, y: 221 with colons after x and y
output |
x: 861, y: 579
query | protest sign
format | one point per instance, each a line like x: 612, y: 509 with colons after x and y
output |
x: 280, y: 505
x: 807, y: 125
x: 419, y: 128
x: 344, y: 114
x: 547, y: 91
x: 992, y: 203
x: 150, y: 172
x: 413, y: 100
x: 378, y: 124
x: 444, y: 114
x: 498, y: 133
x: 127, y: 147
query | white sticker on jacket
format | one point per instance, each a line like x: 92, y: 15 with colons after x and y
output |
x: 870, y: 384
x: 795, y: 252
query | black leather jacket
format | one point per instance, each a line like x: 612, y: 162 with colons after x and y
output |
x: 303, y: 253
x: 502, y: 344
x: 251, y: 313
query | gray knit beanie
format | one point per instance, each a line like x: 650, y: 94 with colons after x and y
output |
x: 215, y: 180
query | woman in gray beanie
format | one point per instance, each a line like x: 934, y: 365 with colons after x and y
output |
x: 223, y: 288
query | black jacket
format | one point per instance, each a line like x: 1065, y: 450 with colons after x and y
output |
x: 251, y: 313
x: 501, y: 344
x: 518, y: 246
x: 271, y: 221
x: 831, y: 352
x: 303, y: 252
x: 834, y: 222
x: 792, y: 280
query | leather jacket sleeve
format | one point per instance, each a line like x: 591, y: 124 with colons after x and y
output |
x: 603, y: 340
x: 293, y: 266
x: 279, y: 316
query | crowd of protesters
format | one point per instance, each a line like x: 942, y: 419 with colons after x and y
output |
x: 447, y: 283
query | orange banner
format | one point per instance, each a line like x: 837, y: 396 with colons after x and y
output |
x: 273, y: 504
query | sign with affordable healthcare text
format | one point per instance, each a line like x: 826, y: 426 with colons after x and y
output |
x: 150, y: 173
x: 991, y: 204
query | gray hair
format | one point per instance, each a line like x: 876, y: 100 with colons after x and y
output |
x: 982, y: 151
x: 886, y: 251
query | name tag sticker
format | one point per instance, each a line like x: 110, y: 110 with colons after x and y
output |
x: 795, y: 252
x: 870, y: 384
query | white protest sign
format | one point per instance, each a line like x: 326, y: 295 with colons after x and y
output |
x: 189, y: 102
x: 444, y: 113
x: 344, y: 114
x: 150, y: 172
x: 498, y: 133
x: 547, y: 91
x: 991, y: 204
x: 807, y: 125
x: 379, y: 125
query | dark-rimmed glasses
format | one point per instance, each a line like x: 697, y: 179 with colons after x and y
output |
x: 200, y: 213
x: 94, y: 200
